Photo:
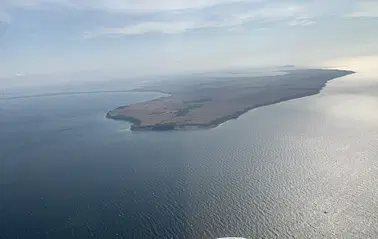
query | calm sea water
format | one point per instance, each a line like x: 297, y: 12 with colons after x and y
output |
x: 306, y: 168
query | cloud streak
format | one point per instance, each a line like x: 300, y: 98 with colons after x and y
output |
x: 142, y: 28
x: 289, y: 14
x: 134, y: 6
x: 366, y: 9
x: 302, y: 21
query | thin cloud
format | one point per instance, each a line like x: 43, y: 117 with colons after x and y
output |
x: 152, y: 27
x: 134, y: 6
x: 5, y: 20
x: 367, y: 9
x: 279, y: 13
x: 272, y: 13
x: 142, y: 28
x: 302, y: 21
x: 38, y: 4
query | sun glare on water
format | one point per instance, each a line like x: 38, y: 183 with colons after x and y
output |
x: 232, y: 238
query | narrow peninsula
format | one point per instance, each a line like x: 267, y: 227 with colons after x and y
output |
x: 206, y: 103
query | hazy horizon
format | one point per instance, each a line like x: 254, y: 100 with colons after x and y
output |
x: 138, y: 38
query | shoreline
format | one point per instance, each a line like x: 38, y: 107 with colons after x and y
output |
x: 137, y: 123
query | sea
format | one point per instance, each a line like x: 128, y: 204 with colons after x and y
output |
x: 304, y: 168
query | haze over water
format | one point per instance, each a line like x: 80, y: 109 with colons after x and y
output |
x: 304, y: 168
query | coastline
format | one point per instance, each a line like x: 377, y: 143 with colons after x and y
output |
x: 137, y: 123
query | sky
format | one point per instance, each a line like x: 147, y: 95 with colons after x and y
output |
x: 144, y: 37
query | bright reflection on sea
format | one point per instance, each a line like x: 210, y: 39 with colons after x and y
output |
x: 355, y: 97
x: 305, y: 168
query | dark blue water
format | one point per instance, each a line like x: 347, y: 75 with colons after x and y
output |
x: 306, y: 168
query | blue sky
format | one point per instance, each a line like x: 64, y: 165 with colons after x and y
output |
x: 138, y: 37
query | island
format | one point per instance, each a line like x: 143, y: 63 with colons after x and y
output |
x: 206, y: 102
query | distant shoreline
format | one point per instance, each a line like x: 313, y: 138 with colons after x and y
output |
x: 182, y: 110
